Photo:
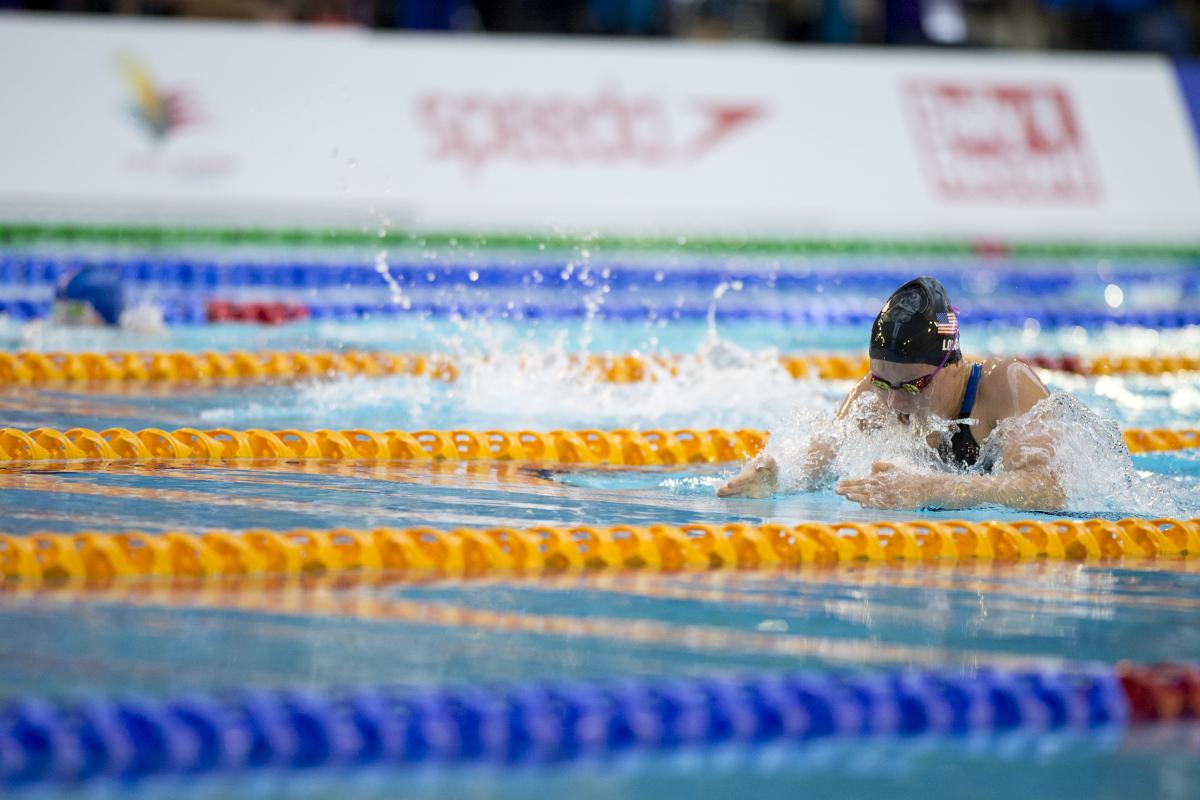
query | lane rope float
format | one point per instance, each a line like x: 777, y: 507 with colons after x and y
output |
x: 28, y: 368
x: 133, y: 736
x: 34, y: 369
x: 91, y: 556
x: 621, y: 447
x: 190, y: 309
x: 624, y: 447
x: 175, y: 272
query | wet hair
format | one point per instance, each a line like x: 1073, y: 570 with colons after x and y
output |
x: 917, y: 325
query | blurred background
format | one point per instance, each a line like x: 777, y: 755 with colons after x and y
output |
x: 1165, y: 26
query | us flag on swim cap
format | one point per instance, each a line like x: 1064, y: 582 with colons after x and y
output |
x: 947, y: 324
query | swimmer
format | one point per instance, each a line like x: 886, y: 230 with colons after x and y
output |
x: 97, y: 296
x: 918, y: 371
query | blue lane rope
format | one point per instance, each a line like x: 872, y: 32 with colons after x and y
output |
x: 131, y: 737
x: 192, y: 310
x: 785, y: 313
x: 960, y: 278
x: 634, y: 293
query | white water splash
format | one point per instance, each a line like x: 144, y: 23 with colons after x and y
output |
x: 395, y: 291
x: 869, y: 433
x: 1089, y: 460
x: 521, y: 385
x: 720, y: 291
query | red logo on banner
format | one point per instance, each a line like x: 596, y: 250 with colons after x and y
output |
x: 1008, y: 142
x: 605, y: 128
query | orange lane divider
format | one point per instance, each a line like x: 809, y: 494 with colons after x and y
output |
x: 1124, y: 365
x: 622, y: 447
x: 46, y: 558
x: 1149, y: 440
x: 36, y: 369
x: 618, y: 447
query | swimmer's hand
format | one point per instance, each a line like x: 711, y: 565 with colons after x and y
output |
x: 888, y: 486
x: 758, y: 479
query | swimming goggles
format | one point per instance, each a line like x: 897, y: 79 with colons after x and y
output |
x: 913, y: 387
x: 916, y: 385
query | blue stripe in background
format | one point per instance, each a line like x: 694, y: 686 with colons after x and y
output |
x: 1189, y: 84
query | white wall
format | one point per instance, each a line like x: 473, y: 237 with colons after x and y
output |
x: 292, y: 125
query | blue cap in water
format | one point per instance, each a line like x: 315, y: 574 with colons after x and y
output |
x: 100, y: 286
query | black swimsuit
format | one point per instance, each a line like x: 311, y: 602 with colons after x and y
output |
x: 962, y: 450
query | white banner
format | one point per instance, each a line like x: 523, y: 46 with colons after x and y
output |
x: 146, y: 121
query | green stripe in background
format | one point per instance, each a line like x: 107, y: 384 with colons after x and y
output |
x: 24, y: 234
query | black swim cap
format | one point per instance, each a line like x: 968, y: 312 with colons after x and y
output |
x: 917, y: 325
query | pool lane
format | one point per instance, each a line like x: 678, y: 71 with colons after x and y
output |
x: 324, y: 494
x: 159, y: 637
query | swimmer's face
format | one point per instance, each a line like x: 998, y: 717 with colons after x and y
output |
x: 903, y: 403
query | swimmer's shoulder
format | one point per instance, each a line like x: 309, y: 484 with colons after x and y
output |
x: 1009, y: 387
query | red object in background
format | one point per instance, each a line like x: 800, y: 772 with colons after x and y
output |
x: 1058, y: 363
x: 990, y: 249
x: 1161, y: 691
x: 1010, y: 142
x: 262, y: 313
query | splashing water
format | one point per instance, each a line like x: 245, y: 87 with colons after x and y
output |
x: 720, y: 291
x: 396, y: 293
x: 867, y: 434
x: 541, y: 386
x: 1089, y: 460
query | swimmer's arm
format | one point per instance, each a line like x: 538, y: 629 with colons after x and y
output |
x: 889, y: 486
x: 860, y: 387
x: 760, y: 475
x: 822, y: 449
x: 1029, y: 488
x: 1026, y: 482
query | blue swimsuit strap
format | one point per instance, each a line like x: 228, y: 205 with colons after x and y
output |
x: 968, y: 402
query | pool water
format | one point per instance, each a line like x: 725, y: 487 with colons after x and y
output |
x: 515, y: 373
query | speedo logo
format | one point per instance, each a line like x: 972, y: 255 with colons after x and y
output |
x: 608, y: 127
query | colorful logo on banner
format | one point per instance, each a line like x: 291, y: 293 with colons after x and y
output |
x: 1010, y: 142
x: 159, y: 111
x: 605, y: 128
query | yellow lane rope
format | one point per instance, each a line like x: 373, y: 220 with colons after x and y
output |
x: 30, y: 368
x: 47, y: 558
x: 37, y: 369
x: 621, y: 447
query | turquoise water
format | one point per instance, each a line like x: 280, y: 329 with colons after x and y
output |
x: 316, y: 495
x: 152, y: 639
x: 164, y: 642
x: 1026, y: 767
